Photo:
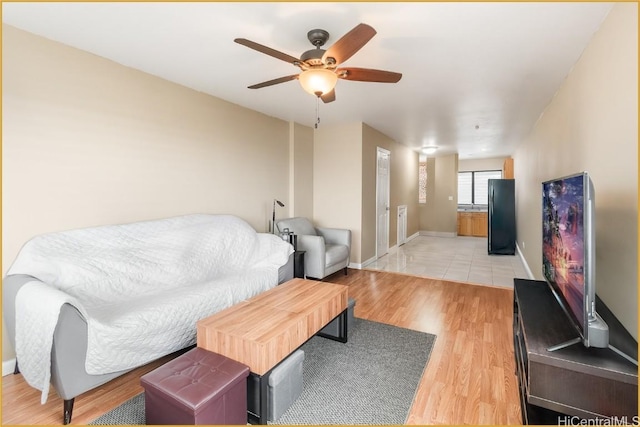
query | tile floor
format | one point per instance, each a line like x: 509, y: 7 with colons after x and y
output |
x: 460, y: 259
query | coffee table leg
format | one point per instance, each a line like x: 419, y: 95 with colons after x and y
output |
x: 258, y: 393
x: 264, y: 398
x: 345, y: 326
x: 342, y: 328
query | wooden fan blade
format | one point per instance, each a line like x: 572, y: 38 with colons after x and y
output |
x: 329, y: 97
x: 350, y: 43
x: 267, y: 50
x: 274, y: 82
x: 368, y: 75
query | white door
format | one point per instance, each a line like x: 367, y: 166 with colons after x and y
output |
x: 382, y: 202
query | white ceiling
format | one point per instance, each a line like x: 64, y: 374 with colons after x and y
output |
x: 476, y: 76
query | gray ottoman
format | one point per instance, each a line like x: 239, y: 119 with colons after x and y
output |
x: 333, y: 328
x: 285, y: 384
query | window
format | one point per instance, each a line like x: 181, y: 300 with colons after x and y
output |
x: 473, y: 187
x: 422, y: 180
x: 465, y: 184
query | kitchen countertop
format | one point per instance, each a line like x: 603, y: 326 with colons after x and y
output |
x: 473, y: 210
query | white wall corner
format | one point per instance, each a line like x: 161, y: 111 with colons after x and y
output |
x: 524, y: 263
x: 8, y: 367
x: 292, y: 170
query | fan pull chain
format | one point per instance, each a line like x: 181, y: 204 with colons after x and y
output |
x: 317, y: 111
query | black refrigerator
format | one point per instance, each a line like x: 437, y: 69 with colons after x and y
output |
x: 502, y: 217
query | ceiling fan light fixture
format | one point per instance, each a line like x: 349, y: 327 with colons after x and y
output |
x: 318, y: 81
x: 430, y: 149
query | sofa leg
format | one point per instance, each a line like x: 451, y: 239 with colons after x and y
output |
x: 345, y: 271
x: 67, y: 411
x: 16, y: 370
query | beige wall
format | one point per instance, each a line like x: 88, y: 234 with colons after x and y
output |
x: 337, y: 180
x: 87, y: 141
x: 429, y: 209
x: 439, y: 214
x: 369, y: 167
x: 344, y: 184
x: 301, y: 171
x: 403, y: 188
x: 495, y: 163
x: 592, y: 124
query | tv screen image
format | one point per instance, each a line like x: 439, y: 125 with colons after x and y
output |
x: 568, y: 257
x: 563, y: 241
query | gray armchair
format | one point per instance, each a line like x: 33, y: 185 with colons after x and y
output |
x: 327, y: 249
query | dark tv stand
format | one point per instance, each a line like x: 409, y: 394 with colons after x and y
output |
x: 575, y: 381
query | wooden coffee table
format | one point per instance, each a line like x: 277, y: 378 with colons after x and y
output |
x: 262, y: 331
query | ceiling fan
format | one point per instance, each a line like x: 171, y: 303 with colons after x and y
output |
x: 320, y: 71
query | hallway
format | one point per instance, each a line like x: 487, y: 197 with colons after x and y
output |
x: 461, y: 259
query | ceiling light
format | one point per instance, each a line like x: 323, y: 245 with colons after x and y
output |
x: 318, y: 81
x: 429, y: 150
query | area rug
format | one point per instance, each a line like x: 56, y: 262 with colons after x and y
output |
x: 372, y: 379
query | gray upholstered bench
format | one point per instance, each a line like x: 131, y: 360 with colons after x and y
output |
x: 285, y: 384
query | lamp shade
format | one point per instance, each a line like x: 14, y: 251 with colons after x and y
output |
x: 318, y: 81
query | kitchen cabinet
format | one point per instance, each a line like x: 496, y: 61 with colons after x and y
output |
x: 464, y: 223
x: 479, y: 224
x: 507, y: 169
x: 472, y: 224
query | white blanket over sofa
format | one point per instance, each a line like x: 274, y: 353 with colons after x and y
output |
x: 142, y: 287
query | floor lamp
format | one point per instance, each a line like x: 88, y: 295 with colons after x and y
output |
x: 273, y: 217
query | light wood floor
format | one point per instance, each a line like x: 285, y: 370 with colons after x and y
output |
x: 469, y: 379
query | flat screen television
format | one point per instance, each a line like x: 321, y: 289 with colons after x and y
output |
x: 568, y: 254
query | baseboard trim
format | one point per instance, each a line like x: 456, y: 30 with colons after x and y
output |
x: 524, y: 263
x: 373, y: 259
x: 392, y: 250
x: 362, y: 265
x: 413, y: 236
x: 438, y: 233
x: 410, y: 238
x: 8, y: 366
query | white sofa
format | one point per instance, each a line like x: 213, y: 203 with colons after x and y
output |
x: 85, y: 306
